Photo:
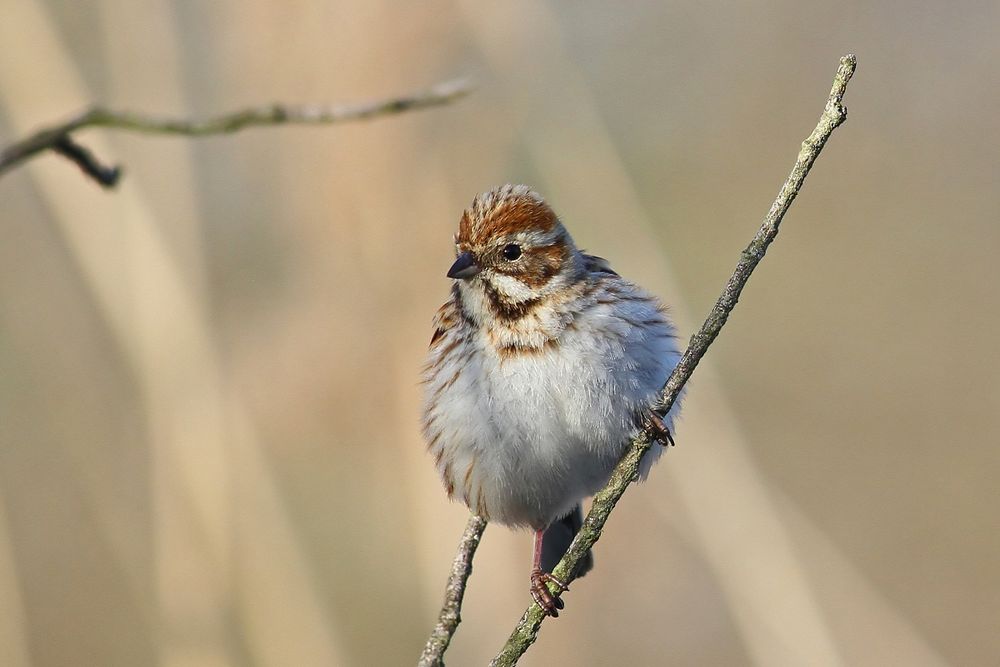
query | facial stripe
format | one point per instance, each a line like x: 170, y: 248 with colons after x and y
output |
x: 536, y: 267
x: 507, y: 310
x: 460, y: 306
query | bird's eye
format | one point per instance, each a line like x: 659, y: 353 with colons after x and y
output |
x: 511, y: 251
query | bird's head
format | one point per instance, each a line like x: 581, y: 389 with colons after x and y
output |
x: 511, y: 245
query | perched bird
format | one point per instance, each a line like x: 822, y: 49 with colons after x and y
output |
x: 542, y: 367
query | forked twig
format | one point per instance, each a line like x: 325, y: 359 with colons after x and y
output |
x: 58, y: 137
x: 524, y: 635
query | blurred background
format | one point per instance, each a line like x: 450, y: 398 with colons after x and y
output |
x: 209, y: 441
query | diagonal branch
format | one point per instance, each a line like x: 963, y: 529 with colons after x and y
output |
x: 57, y: 137
x: 833, y: 115
x: 450, y: 617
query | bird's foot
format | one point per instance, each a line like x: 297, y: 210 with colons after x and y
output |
x: 658, y: 429
x: 549, y: 602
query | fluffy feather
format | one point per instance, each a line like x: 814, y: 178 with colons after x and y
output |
x: 540, y: 369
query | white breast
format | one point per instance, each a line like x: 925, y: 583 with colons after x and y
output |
x: 524, y: 437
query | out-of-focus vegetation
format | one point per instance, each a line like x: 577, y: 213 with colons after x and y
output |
x: 209, y: 444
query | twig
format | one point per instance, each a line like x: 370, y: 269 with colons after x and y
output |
x: 106, y: 176
x: 833, y: 115
x: 461, y: 568
x: 57, y: 137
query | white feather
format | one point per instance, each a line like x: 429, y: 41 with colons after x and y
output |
x: 534, y: 433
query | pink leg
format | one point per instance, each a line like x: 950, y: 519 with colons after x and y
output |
x: 549, y: 602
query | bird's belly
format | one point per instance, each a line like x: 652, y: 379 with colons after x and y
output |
x: 522, y: 438
x: 552, y: 426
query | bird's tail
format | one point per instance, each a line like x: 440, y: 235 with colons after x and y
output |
x: 557, y: 538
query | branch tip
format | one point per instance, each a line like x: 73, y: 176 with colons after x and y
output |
x: 106, y: 176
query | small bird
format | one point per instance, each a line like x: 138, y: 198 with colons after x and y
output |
x: 543, y: 366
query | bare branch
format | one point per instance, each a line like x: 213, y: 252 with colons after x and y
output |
x: 83, y: 158
x: 833, y: 115
x: 57, y: 137
x: 461, y: 568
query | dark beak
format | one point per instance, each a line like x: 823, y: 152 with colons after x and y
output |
x: 464, y: 267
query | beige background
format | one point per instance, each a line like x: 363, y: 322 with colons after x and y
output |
x: 209, y: 451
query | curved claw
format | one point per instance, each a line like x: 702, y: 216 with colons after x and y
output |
x: 658, y: 429
x: 543, y: 597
